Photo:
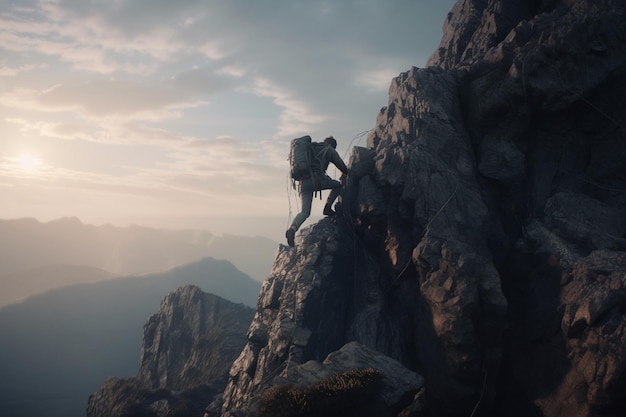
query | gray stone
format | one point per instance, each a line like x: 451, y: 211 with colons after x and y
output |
x: 188, y: 348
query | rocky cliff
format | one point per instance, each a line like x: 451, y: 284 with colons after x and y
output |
x: 188, y: 346
x: 482, y: 236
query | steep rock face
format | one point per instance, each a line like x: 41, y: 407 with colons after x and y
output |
x: 301, y: 313
x: 483, y: 233
x: 187, y: 350
x: 434, y: 227
x: 189, y: 340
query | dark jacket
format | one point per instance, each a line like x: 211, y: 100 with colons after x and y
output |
x: 324, y: 154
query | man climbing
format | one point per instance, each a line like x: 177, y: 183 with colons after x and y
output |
x: 321, y: 155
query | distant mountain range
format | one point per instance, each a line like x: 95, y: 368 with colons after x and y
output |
x: 17, y: 286
x: 58, y: 347
x: 36, y: 257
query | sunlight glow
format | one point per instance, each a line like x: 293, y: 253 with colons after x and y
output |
x: 28, y: 162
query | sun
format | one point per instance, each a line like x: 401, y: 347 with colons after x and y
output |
x: 28, y: 162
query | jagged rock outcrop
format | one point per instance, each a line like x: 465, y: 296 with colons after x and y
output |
x: 482, y: 240
x: 289, y: 311
x: 310, y: 306
x: 188, y: 346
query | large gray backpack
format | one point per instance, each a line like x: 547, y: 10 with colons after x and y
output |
x: 300, y: 156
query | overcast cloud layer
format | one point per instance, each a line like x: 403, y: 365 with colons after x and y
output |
x: 152, y: 109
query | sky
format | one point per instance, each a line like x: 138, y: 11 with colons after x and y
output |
x: 179, y: 114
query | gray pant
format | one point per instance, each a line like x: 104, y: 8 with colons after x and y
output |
x: 307, y: 188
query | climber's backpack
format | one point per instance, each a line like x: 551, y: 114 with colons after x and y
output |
x: 300, y: 156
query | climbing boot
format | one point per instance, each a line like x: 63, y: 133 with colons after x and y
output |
x: 328, y: 211
x: 290, y: 234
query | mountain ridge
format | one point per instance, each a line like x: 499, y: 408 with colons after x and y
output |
x: 66, y: 341
x: 27, y: 247
x: 20, y: 285
x: 119, y: 249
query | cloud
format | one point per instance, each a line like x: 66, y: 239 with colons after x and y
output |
x: 189, y: 106
x: 105, y: 98
x: 92, y: 37
x: 58, y: 130
x: 233, y: 71
x: 224, y: 158
x: 218, y: 175
x: 120, y: 98
x: 376, y: 80
x: 83, y: 49
x: 296, y: 117
x: 305, y: 49
x: 205, y: 81
x: 12, y: 71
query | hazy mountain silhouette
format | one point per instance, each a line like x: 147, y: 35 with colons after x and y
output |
x: 251, y: 255
x: 17, y: 286
x: 31, y: 253
x: 28, y: 243
x: 58, y: 347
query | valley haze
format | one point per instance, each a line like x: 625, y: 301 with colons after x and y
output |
x: 57, y: 347
x: 35, y: 256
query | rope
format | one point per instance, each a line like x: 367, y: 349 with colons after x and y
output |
x: 358, y: 136
x: 591, y: 182
x: 571, y: 90
x: 291, y: 186
x: 482, y: 394
x: 585, y: 100
x: 347, y: 217
x: 456, y: 187
x: 599, y: 110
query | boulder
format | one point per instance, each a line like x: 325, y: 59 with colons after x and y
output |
x: 399, y: 384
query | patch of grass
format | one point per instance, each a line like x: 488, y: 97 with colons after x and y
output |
x: 343, y: 395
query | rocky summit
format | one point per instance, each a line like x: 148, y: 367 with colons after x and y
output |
x: 481, y: 241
